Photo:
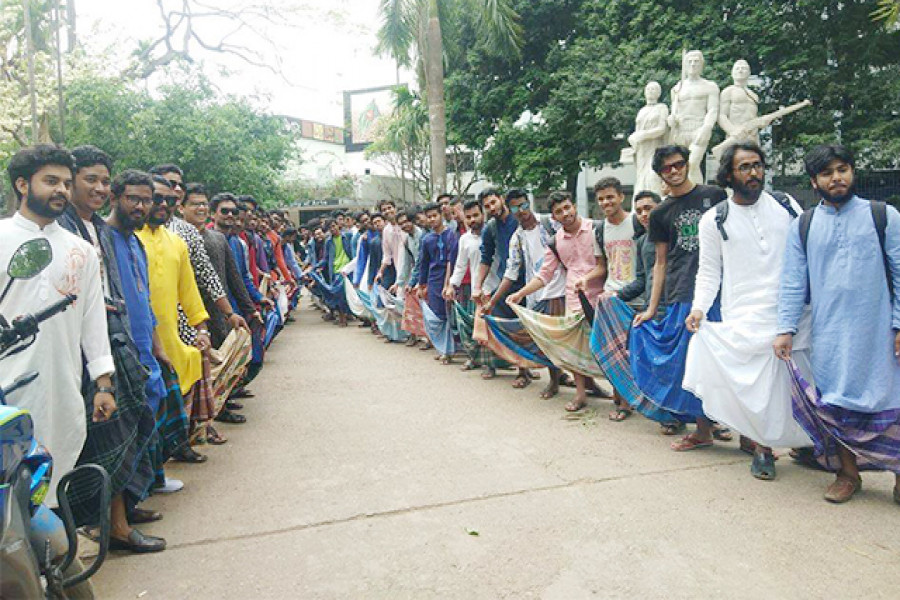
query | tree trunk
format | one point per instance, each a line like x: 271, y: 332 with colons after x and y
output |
x: 70, y: 24
x: 434, y: 92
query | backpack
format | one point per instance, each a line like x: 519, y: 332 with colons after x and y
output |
x: 722, y: 211
x: 600, y: 227
x: 879, y: 216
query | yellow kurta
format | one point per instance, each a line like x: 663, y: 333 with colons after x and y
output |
x: 172, y: 283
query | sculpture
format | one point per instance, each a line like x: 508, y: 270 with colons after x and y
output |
x: 695, y: 108
x: 649, y: 134
x: 739, y: 110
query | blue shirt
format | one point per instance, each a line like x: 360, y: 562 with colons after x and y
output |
x: 237, y: 250
x: 853, y: 314
x: 136, y: 293
x: 498, y: 244
x: 434, y: 255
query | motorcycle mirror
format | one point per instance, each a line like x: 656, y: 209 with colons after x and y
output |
x: 30, y: 258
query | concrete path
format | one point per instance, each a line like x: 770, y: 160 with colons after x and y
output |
x: 368, y: 470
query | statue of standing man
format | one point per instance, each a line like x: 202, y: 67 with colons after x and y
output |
x: 649, y: 134
x: 695, y: 108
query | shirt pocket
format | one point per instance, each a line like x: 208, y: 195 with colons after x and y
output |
x: 864, y: 247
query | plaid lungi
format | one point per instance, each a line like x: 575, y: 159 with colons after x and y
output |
x: 412, y: 315
x: 874, y: 438
x: 171, y: 423
x: 120, y: 443
x: 477, y: 352
x: 609, y: 343
x: 508, y: 339
x: 227, y: 365
x: 564, y: 340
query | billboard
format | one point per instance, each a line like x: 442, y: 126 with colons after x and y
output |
x: 363, y: 110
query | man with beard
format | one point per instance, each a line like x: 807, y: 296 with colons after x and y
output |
x: 173, y: 287
x: 41, y: 177
x: 466, y: 258
x: 658, y: 348
x: 120, y: 444
x: 131, y: 198
x: 526, y: 256
x: 730, y: 365
x: 843, y: 257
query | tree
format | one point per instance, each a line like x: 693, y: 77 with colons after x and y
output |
x: 402, y: 141
x: 226, y: 144
x: 414, y: 30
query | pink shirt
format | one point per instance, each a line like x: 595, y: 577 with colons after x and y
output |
x: 391, y: 244
x: 579, y: 252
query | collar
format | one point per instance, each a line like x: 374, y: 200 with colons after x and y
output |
x: 830, y: 210
x: 586, y: 225
x: 29, y: 225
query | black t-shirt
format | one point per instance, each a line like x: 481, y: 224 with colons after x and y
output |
x: 676, y: 222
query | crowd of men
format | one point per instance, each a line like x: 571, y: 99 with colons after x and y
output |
x: 724, y: 306
x: 178, y: 295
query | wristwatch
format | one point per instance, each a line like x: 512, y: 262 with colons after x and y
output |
x: 105, y: 389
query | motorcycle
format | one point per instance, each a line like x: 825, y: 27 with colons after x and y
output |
x: 38, y: 549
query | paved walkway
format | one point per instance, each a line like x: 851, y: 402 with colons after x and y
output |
x: 368, y: 470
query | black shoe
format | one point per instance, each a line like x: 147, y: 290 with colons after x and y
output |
x: 188, y: 455
x: 232, y: 405
x: 226, y: 416
x: 138, y: 543
x: 139, y: 515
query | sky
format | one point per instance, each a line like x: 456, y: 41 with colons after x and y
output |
x: 324, y: 46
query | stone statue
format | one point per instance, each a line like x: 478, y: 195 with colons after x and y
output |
x: 695, y: 108
x: 649, y: 134
x: 739, y: 110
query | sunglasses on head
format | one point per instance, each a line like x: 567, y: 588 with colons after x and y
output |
x: 229, y: 211
x: 675, y: 166
x: 160, y: 199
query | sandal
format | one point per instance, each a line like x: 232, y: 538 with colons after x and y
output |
x: 412, y: 341
x: 242, y: 393
x: 842, y: 489
x: 521, y: 381
x: 226, y: 416
x: 690, y: 442
x: 488, y: 373
x: 763, y: 466
x: 549, y: 391
x: 426, y: 346
x: 575, y: 406
x: 446, y: 359
x: 469, y: 365
x: 672, y: 428
x: 620, y: 414
x: 566, y: 380
x: 722, y: 434
x: 214, y: 437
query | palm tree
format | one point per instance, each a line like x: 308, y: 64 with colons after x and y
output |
x: 411, y: 31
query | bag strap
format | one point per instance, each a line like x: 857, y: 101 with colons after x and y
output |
x: 879, y: 216
x: 785, y: 201
x: 599, y: 232
x: 721, y: 215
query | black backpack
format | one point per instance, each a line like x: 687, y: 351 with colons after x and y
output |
x: 722, y: 211
x: 879, y: 216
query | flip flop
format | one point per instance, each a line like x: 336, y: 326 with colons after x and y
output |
x: 672, y: 428
x: 521, y: 382
x: 722, y: 434
x: 572, y: 407
x: 690, y: 442
x: 548, y: 392
x: 619, y: 415
x: 469, y: 366
x: 488, y: 373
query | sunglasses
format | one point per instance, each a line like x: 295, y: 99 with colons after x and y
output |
x: 160, y: 199
x: 516, y: 208
x: 675, y: 166
x: 175, y: 184
x: 229, y: 211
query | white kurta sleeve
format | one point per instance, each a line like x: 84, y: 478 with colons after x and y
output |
x: 709, y: 273
x: 94, y: 335
x: 462, y: 261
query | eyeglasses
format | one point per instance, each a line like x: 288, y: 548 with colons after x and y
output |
x: 175, y: 183
x: 196, y: 204
x: 515, y: 208
x: 675, y: 166
x: 746, y: 168
x: 145, y: 200
x: 159, y: 199
x: 229, y: 211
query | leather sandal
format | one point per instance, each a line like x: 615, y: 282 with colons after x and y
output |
x: 226, y: 416
x: 188, y: 455
x: 842, y: 489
